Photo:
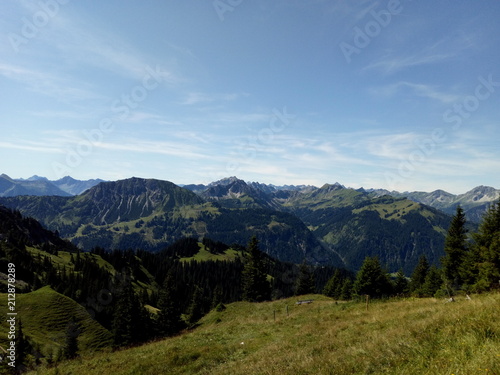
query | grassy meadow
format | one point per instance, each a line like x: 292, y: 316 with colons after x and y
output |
x: 45, y: 315
x: 410, y: 336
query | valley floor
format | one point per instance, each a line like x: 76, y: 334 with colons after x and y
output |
x: 411, y: 336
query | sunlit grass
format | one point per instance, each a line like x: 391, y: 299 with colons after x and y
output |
x: 205, y: 255
x: 45, y: 315
x: 414, y: 336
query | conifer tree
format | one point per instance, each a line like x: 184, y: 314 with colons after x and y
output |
x: 456, y: 250
x: 122, y: 318
x: 401, y: 286
x: 217, y: 297
x: 372, y: 280
x: 70, y: 349
x: 169, y: 318
x: 305, y: 281
x: 195, y: 311
x: 433, y: 282
x: 256, y: 288
x: 23, y: 346
x: 130, y: 319
x: 487, y: 249
x: 346, y: 291
x: 333, y: 287
x: 418, y: 276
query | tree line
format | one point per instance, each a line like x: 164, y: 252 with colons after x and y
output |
x: 471, y: 264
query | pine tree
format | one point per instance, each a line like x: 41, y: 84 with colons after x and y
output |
x: 169, y: 318
x: 418, y: 276
x: 130, y: 319
x: 195, y: 310
x: 217, y: 297
x: 433, y: 282
x: 23, y: 346
x: 256, y: 288
x: 122, y: 318
x: 456, y: 250
x: 70, y: 349
x: 333, y: 287
x: 346, y: 291
x: 487, y: 249
x: 401, y: 285
x: 372, y: 280
x: 305, y: 281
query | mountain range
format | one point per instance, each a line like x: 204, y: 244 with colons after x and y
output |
x: 41, y: 186
x: 331, y: 225
x: 151, y: 214
x: 474, y: 202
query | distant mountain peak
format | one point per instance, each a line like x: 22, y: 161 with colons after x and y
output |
x: 333, y: 187
x: 480, y: 194
x: 37, y: 178
x: 227, y: 181
x: 4, y: 176
x: 66, y: 179
x: 38, y: 185
x: 230, y: 186
x: 440, y: 191
x: 75, y: 187
x: 482, y: 189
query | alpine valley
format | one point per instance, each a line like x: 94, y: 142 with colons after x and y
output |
x: 330, y: 225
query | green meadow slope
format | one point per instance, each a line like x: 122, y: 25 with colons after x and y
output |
x: 45, y: 315
x: 412, y: 336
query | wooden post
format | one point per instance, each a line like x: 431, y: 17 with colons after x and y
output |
x: 367, y: 299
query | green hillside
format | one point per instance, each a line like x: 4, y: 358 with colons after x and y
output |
x: 412, y: 336
x: 45, y: 315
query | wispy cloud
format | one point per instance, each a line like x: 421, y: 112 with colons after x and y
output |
x: 440, y: 51
x: 176, y: 149
x: 419, y: 89
x: 31, y: 146
x: 391, y: 65
x: 144, y: 117
x: 393, y: 146
x: 198, y: 97
x: 182, y: 145
x: 63, y: 115
x: 50, y: 84
x: 80, y: 40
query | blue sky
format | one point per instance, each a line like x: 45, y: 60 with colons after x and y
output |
x: 391, y: 94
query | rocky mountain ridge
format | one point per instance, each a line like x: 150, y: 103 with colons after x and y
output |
x: 474, y: 202
x: 41, y: 186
